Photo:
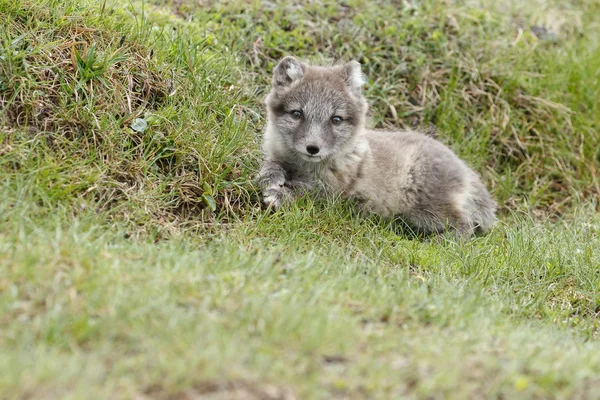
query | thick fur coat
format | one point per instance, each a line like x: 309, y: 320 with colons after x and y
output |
x: 316, y: 137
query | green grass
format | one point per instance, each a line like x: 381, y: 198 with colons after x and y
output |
x: 139, y: 263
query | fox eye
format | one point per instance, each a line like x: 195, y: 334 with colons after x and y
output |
x: 296, y: 114
x: 336, y: 120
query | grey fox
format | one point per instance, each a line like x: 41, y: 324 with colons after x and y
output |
x: 316, y: 137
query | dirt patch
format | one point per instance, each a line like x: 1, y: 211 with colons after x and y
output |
x: 224, y: 390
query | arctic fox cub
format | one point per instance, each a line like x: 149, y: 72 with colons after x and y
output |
x: 316, y: 135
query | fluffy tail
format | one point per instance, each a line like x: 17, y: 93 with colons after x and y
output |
x: 483, y: 210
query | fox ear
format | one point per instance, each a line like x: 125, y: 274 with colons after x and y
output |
x: 353, y: 75
x: 287, y: 71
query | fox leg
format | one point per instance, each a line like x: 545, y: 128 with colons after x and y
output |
x: 272, y: 179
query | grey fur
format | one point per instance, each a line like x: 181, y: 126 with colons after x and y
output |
x: 402, y: 174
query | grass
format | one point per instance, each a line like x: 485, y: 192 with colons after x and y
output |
x: 136, y: 261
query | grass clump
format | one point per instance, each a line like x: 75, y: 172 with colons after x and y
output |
x: 74, y: 88
x: 135, y: 261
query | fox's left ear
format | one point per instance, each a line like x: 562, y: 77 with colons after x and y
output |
x: 354, y: 76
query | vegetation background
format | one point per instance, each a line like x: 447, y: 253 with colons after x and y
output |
x: 137, y: 261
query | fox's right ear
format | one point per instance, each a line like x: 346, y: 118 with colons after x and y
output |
x: 287, y: 71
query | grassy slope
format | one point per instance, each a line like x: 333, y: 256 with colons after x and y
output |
x: 117, y: 277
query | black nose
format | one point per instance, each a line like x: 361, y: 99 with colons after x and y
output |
x: 312, y: 149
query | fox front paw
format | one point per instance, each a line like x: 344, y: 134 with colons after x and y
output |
x: 276, y: 196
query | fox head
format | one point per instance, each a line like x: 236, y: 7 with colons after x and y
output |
x: 316, y: 112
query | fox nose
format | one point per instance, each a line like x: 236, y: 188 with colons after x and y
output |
x: 312, y: 149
